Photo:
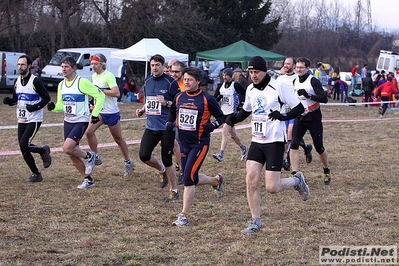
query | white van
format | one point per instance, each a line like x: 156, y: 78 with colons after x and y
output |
x: 52, y: 75
x: 387, y: 61
x: 8, y: 69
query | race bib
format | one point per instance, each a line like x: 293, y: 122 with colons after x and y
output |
x: 21, y: 112
x: 152, y: 106
x: 226, y: 100
x: 258, y: 124
x: 188, y: 119
x: 70, y: 108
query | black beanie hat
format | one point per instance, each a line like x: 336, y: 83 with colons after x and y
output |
x: 257, y: 63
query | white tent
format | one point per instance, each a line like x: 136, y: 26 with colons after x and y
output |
x: 144, y: 49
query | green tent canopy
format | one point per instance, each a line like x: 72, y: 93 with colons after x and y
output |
x: 240, y: 51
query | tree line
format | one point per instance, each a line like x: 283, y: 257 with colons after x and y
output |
x: 320, y: 30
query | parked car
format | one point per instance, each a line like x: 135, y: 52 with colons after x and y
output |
x: 52, y: 75
x: 388, y: 61
x: 8, y: 69
x: 324, y: 79
x: 347, y: 77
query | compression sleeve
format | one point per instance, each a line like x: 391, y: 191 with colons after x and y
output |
x: 242, y: 115
x: 88, y: 88
x: 59, y: 105
x: 43, y: 93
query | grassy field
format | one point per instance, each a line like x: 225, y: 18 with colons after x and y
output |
x: 124, y: 221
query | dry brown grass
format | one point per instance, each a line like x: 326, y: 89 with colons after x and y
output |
x: 124, y: 221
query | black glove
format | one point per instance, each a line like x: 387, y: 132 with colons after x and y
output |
x: 169, y: 126
x: 32, y: 107
x: 8, y: 100
x: 231, y: 120
x: 209, y: 127
x: 220, y: 96
x: 95, y: 119
x: 50, y: 106
x: 303, y: 92
x: 240, y: 105
x: 276, y: 115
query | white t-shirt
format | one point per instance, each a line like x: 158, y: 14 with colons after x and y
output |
x: 260, y: 102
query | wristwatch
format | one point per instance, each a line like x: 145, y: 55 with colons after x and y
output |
x: 166, y: 103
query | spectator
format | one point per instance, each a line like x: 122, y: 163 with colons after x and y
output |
x: 354, y: 76
x: 121, y: 78
x: 36, y: 67
x: 336, y: 88
x: 367, y: 87
x: 364, y: 71
x: 382, y: 79
x: 130, y: 86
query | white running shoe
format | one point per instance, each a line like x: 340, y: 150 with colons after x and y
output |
x: 129, y: 167
x: 86, y: 184
x: 90, y: 163
x: 181, y: 220
x: 219, y: 189
x: 244, y: 153
x: 252, y: 228
x: 302, y: 187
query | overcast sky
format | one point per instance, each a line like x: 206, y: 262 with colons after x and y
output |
x: 384, y: 12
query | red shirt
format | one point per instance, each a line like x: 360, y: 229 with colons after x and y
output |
x: 387, y: 89
x: 354, y: 71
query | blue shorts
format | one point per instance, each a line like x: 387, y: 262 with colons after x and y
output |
x: 289, y: 122
x: 111, y: 119
x: 75, y: 131
x: 191, y: 161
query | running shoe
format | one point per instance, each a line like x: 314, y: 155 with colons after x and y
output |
x: 90, y: 163
x: 308, y: 153
x: 286, y: 165
x: 218, y: 157
x: 163, y: 180
x: 302, y: 187
x: 252, y: 228
x: 244, y: 152
x: 181, y: 220
x: 98, y: 160
x: 172, y: 196
x: 129, y: 167
x: 46, y: 158
x: 219, y: 189
x: 327, y: 176
x: 86, y: 184
x: 35, y: 178
x: 180, y: 180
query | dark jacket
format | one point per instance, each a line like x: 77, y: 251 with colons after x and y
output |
x: 367, y: 84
